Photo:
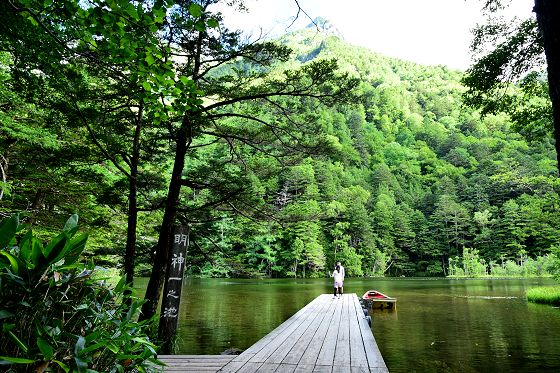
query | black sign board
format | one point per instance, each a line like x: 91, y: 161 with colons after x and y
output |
x: 172, y: 288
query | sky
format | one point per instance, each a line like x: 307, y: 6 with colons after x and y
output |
x: 430, y: 32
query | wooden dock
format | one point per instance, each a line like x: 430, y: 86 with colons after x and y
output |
x: 327, y: 335
x: 195, y: 363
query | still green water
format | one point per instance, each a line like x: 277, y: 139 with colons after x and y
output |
x: 439, y: 325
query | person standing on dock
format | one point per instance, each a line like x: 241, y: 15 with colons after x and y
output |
x: 338, y: 280
x: 342, y: 272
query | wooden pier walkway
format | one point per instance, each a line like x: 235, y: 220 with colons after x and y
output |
x: 327, y: 335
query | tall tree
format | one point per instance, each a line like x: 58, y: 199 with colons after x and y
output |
x: 201, y: 55
x: 548, y: 18
x: 100, y: 58
x: 516, y: 51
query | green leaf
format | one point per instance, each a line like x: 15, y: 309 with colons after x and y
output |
x: 143, y: 341
x: 45, y: 348
x: 55, y: 248
x: 150, y: 59
x: 200, y: 26
x: 131, y: 10
x: 195, y: 10
x: 25, y: 246
x: 20, y: 344
x: 5, y: 314
x: 74, y: 249
x: 121, y: 284
x: 107, y: 18
x: 93, y: 347
x: 185, y: 80
x: 17, y: 360
x: 32, y: 20
x: 147, y: 86
x: 37, y: 252
x: 15, y: 263
x: 212, y: 23
x: 112, y: 348
x: 71, y: 223
x: 8, y: 230
x: 62, y: 365
x: 7, y: 327
x: 159, y: 15
x: 93, y: 336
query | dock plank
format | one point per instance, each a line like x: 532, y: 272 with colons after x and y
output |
x: 232, y: 366
x: 342, y: 350
x: 268, y: 368
x: 193, y: 363
x: 314, y: 347
x: 249, y: 367
x: 341, y: 369
x: 283, y: 337
x: 266, y: 345
x: 359, y: 369
x: 357, y: 349
x: 286, y: 368
x: 375, y: 360
x: 300, y: 337
x: 326, y: 354
x: 322, y: 369
x: 313, y: 333
x: 326, y: 336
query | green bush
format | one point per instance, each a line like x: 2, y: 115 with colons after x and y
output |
x: 57, y: 314
x: 553, y: 265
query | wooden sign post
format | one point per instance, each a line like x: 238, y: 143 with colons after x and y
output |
x: 172, y: 289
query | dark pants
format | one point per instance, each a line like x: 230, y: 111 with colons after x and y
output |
x: 339, y: 290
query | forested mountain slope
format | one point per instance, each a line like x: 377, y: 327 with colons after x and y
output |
x: 415, y: 179
x: 408, y: 179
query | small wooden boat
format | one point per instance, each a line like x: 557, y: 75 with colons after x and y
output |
x: 375, y: 299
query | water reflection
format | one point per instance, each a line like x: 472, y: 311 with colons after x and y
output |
x: 469, y: 326
x: 439, y: 325
x: 378, y: 315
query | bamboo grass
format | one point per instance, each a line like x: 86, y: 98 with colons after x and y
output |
x: 545, y: 294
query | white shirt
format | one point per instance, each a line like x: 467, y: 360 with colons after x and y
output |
x: 338, y: 277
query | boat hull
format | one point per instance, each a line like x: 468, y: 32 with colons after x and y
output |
x: 381, y: 304
x: 375, y: 299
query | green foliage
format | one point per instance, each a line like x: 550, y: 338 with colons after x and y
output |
x: 282, y: 176
x: 509, y: 75
x: 470, y: 264
x: 546, y: 295
x: 56, y: 313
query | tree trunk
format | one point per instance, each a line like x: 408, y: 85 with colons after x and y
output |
x: 130, y: 249
x: 36, y: 205
x: 155, y: 284
x: 548, y: 18
x: 3, y: 172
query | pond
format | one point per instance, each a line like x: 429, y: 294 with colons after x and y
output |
x: 439, y: 325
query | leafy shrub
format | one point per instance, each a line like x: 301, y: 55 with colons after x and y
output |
x: 513, y: 269
x: 497, y: 270
x: 57, y: 314
x: 553, y: 266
